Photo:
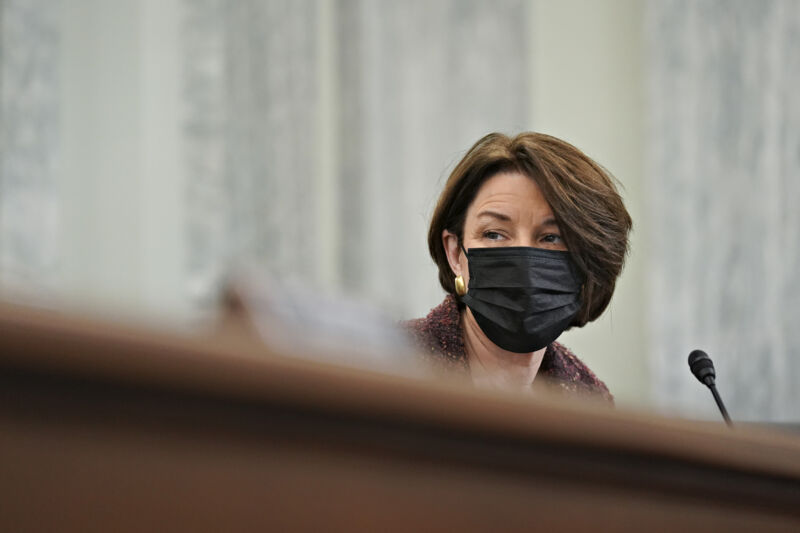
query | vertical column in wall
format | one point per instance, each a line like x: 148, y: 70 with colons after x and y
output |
x: 251, y: 139
x: 101, y: 149
x: 29, y: 144
x: 163, y: 176
x: 328, y: 192
x: 420, y: 83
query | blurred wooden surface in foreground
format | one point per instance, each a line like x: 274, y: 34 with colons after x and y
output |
x: 112, y: 428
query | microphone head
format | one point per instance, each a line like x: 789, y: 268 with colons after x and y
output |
x: 701, y: 366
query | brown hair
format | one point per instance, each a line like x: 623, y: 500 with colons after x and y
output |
x: 593, y: 220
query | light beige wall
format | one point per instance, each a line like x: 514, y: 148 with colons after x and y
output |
x: 588, y: 88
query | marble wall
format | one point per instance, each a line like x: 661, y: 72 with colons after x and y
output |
x: 319, y: 133
x: 724, y: 185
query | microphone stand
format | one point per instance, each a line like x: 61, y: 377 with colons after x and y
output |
x: 721, y: 405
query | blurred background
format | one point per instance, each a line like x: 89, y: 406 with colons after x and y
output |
x: 146, y: 146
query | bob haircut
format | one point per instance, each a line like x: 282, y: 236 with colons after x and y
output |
x: 590, y: 214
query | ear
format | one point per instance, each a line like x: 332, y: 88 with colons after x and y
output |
x: 453, y: 251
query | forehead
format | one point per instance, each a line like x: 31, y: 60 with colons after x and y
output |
x: 512, y: 193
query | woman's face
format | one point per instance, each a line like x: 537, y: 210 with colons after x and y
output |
x: 509, y: 210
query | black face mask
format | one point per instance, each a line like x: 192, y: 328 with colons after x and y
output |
x: 522, y: 298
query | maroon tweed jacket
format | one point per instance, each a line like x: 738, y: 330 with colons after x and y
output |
x: 439, y: 337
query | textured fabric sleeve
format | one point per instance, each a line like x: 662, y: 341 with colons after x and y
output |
x: 574, y: 375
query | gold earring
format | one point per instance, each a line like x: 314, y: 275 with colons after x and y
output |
x: 461, y: 289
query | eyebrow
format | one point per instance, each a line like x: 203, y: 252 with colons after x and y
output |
x: 550, y: 221
x: 494, y: 214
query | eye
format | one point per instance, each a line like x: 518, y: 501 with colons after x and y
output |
x: 492, y: 235
x: 552, y: 238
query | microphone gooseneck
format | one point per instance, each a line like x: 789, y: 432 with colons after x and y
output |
x: 703, y: 369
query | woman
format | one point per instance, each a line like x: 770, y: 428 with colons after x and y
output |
x: 530, y: 236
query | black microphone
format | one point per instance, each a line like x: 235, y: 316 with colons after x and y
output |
x: 703, y: 369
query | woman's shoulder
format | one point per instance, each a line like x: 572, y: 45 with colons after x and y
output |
x: 563, y: 367
x: 438, y: 335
